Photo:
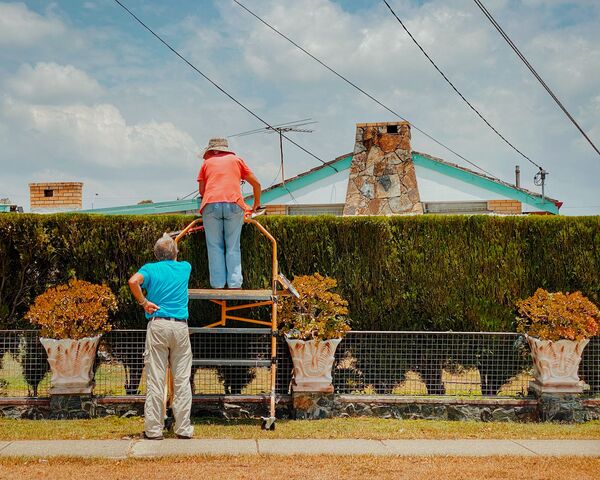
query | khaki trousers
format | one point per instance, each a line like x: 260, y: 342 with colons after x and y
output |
x: 168, y: 345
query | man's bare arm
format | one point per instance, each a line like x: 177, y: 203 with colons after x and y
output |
x: 135, y: 285
x: 252, y: 180
x: 201, y: 187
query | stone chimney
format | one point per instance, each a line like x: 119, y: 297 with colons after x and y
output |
x: 55, y: 197
x: 382, y: 175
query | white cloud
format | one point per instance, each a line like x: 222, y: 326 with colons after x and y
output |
x: 371, y: 46
x: 20, y: 26
x: 100, y: 135
x: 372, y: 49
x: 53, y: 83
x: 128, y: 134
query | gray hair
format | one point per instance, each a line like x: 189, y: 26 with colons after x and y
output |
x: 165, y: 248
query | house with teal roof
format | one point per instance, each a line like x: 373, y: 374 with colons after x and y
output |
x: 382, y: 176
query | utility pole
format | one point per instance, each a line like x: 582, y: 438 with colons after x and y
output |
x: 540, y: 180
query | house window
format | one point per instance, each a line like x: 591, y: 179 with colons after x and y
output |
x: 392, y: 129
x: 455, y: 207
x: 332, y: 209
x: 48, y: 193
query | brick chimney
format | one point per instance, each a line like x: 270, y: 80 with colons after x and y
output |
x: 55, y: 197
x: 382, y: 175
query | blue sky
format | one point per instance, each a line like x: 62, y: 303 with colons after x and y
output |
x: 86, y: 94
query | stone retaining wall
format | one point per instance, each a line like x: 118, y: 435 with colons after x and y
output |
x: 312, y: 406
x: 78, y: 407
x: 565, y: 408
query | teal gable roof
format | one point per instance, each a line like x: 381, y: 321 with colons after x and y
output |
x: 174, y: 206
x: 426, y: 161
x: 487, y: 183
x: 304, y: 179
x: 341, y: 164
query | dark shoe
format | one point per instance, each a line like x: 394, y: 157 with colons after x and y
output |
x: 146, y: 437
x: 183, y: 437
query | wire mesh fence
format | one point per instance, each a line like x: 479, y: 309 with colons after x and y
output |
x: 232, y: 361
x: 428, y: 363
x: 237, y: 362
x: 120, y: 363
x: 24, y: 369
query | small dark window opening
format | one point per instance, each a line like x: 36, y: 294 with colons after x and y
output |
x: 48, y: 193
x: 392, y: 129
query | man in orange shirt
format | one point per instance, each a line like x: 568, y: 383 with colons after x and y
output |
x: 223, y: 210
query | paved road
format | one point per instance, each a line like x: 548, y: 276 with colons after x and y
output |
x: 135, y: 448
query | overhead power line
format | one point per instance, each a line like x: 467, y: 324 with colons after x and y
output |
x: 354, y: 85
x: 456, y: 89
x: 533, y: 71
x: 221, y: 89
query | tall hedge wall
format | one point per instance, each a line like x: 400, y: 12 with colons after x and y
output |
x: 426, y: 272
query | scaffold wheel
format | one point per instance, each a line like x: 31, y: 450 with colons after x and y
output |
x: 268, y: 423
x: 169, y: 420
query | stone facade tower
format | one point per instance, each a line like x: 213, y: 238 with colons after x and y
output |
x: 382, y: 175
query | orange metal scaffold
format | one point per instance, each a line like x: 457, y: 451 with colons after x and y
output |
x: 253, y: 298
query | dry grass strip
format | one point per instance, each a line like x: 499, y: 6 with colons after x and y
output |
x: 305, y: 468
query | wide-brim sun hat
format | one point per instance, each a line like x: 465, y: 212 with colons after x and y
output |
x: 217, y: 144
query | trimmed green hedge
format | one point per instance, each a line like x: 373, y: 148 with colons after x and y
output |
x: 413, y: 273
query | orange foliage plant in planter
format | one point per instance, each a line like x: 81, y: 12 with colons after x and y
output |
x: 314, y: 325
x: 558, y: 327
x: 72, y: 318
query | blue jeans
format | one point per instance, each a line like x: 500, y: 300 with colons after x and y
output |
x: 223, y: 226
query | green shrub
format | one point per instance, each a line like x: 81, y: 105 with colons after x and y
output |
x: 401, y: 273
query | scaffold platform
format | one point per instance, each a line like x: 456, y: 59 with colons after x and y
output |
x: 243, y: 300
x: 227, y: 294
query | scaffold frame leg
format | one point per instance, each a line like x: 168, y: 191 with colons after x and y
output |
x: 259, y: 300
x: 270, y: 423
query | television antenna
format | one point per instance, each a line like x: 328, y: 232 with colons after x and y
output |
x: 280, y: 129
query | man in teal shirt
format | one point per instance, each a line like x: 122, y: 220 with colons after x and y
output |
x: 167, y: 338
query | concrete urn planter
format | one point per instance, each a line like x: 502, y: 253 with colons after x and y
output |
x: 71, y: 363
x: 555, y: 365
x: 313, y: 362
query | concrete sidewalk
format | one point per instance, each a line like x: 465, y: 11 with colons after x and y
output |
x: 119, y: 449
